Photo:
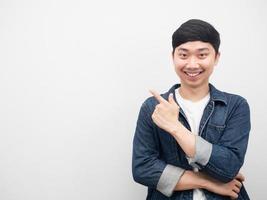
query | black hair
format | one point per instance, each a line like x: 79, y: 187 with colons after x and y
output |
x: 196, y: 30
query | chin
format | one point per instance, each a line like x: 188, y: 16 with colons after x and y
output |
x: 194, y: 85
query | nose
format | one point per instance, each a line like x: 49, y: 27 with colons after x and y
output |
x: 192, y: 63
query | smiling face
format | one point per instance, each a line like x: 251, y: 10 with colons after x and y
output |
x: 194, y: 63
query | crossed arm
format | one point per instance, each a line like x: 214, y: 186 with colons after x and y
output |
x: 165, y: 116
x: 198, y: 180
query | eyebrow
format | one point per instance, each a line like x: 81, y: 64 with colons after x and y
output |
x: 186, y: 50
x: 203, y: 49
x: 183, y: 49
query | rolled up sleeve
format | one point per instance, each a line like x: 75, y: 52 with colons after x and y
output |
x: 203, y: 152
x: 169, y: 179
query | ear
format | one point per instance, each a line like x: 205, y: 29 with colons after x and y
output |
x: 217, y: 57
x: 172, y: 55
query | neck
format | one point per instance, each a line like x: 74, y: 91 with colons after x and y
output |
x: 193, y: 94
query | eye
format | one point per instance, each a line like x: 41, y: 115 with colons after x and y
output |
x: 202, y: 55
x: 182, y: 55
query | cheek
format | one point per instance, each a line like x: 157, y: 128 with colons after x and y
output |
x: 208, y: 64
x: 179, y: 64
x: 178, y: 69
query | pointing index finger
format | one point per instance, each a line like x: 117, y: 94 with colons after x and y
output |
x: 157, y: 96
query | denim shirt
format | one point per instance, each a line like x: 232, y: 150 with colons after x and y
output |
x: 158, y: 161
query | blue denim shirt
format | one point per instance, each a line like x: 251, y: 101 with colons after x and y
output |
x: 158, y: 161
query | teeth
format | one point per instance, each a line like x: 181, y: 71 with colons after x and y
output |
x: 192, y: 74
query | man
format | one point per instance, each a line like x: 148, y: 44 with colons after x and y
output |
x: 190, y: 142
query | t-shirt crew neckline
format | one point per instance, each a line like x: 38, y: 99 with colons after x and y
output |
x: 199, y: 102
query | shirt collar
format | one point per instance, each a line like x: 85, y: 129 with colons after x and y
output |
x: 215, y: 94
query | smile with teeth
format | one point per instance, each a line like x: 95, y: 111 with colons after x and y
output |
x: 193, y: 74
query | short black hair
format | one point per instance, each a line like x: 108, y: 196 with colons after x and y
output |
x: 196, y: 30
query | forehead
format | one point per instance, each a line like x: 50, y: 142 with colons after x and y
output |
x: 195, y: 46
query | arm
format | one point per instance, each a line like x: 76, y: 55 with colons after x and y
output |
x: 151, y: 171
x: 147, y: 168
x: 224, y: 159
x: 199, y: 180
x: 155, y: 173
x: 221, y: 161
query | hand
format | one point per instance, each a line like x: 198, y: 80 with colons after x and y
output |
x: 230, y: 189
x: 240, y: 177
x: 166, y: 113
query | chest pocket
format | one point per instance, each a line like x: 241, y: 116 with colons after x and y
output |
x: 214, y: 132
x: 216, y: 124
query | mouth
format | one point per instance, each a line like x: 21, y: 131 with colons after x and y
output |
x: 193, y: 74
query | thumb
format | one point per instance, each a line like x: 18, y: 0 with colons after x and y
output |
x: 171, y: 100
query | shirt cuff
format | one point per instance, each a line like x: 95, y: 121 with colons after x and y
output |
x: 203, y: 153
x: 168, y: 179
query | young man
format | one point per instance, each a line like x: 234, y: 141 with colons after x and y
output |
x: 190, y: 142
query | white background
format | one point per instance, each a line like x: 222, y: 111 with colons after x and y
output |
x: 73, y: 75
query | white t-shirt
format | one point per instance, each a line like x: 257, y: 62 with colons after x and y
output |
x: 193, y: 112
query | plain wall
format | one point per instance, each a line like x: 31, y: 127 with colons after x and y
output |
x: 73, y: 75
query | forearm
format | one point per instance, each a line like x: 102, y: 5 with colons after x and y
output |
x: 207, y: 156
x: 190, y: 180
x: 185, y: 139
x: 201, y: 152
x: 198, y: 180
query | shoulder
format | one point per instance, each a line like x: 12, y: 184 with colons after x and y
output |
x: 231, y: 103
x: 235, y: 99
x: 237, y: 104
x: 230, y: 99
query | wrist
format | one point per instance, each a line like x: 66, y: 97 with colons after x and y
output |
x: 176, y: 130
x: 203, y: 181
x: 200, y: 181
